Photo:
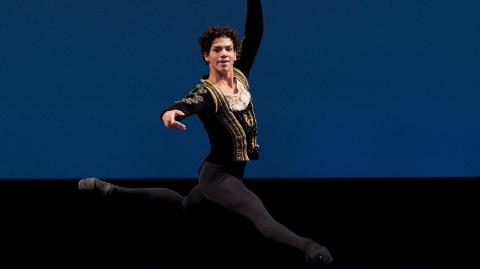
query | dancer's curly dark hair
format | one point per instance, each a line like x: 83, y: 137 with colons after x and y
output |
x: 208, y: 36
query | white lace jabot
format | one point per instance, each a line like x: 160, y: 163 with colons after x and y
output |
x: 240, y: 100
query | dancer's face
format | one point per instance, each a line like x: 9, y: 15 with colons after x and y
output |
x: 222, y: 55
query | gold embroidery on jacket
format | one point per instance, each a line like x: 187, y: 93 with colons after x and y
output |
x: 254, y: 144
x: 222, y: 109
x: 239, y: 75
x: 248, y: 118
x: 231, y: 123
x: 196, y: 96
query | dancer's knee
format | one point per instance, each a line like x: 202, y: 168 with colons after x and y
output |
x: 224, y: 196
x: 184, y: 206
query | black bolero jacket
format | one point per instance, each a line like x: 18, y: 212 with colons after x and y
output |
x: 232, y: 134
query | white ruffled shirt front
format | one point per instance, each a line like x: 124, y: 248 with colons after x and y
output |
x: 240, y: 100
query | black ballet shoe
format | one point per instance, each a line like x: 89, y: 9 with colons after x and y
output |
x: 316, y: 254
x: 96, y: 186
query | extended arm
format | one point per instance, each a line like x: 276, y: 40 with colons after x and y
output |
x: 253, y: 36
x: 196, y: 100
x: 170, y: 120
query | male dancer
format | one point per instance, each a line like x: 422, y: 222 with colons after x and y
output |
x: 223, y: 102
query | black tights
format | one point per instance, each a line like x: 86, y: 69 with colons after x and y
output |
x: 222, y: 184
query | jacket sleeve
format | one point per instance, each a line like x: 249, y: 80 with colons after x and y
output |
x: 198, y: 99
x: 253, y: 36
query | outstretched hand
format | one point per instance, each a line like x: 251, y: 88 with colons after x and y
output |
x: 169, y: 121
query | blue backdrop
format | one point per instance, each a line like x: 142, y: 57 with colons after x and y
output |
x: 342, y: 88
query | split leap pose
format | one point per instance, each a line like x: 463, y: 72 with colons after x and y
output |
x: 223, y: 102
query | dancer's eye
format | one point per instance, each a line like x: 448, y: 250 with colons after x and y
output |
x: 219, y: 49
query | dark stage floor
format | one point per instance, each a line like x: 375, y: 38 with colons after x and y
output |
x: 366, y: 223
x: 246, y: 265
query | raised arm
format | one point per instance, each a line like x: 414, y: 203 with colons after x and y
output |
x: 253, y: 36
